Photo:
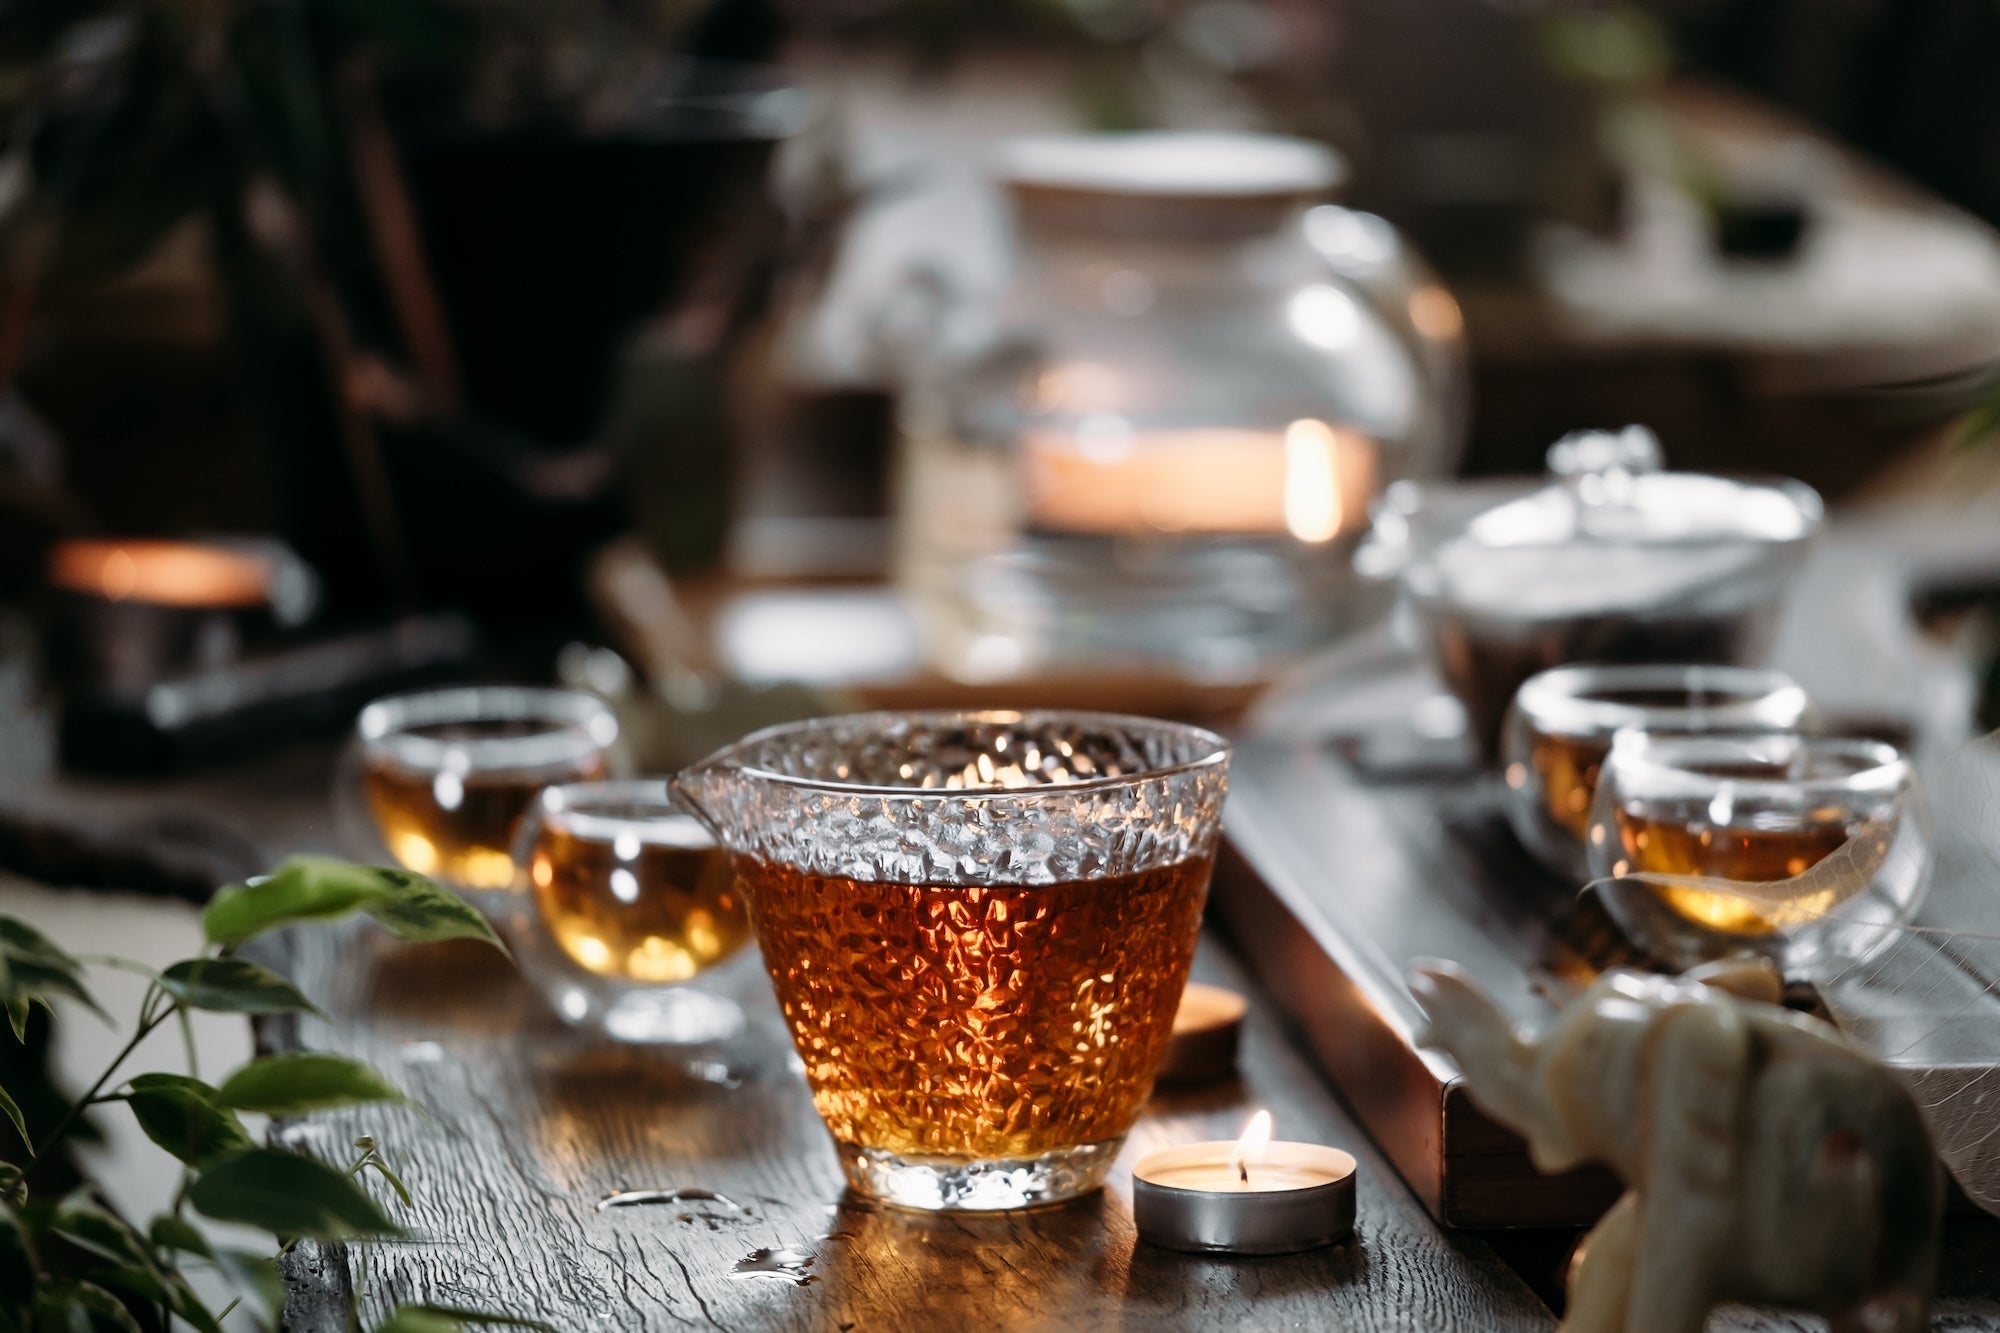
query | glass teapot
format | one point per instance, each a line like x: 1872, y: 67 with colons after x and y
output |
x: 1157, y: 447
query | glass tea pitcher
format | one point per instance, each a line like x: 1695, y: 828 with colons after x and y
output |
x: 1157, y: 448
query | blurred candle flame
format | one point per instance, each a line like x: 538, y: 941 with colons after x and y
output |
x: 1312, y: 489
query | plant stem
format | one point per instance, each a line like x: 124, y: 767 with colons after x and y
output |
x: 69, y: 1117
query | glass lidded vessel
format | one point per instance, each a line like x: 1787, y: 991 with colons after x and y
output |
x: 1157, y: 446
x: 978, y: 926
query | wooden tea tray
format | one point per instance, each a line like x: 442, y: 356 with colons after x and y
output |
x: 1331, y: 882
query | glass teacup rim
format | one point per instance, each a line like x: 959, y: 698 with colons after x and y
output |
x: 1215, y: 754
x: 1560, y: 702
x: 574, y: 726
x: 1884, y: 769
x: 565, y: 804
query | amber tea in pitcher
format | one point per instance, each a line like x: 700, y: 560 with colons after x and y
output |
x: 998, y: 1021
x: 978, y: 926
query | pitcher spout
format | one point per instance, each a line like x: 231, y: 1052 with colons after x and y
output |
x: 698, y: 789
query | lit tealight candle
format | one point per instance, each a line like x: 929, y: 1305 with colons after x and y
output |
x: 1252, y: 1196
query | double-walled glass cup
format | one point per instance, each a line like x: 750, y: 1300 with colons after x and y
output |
x: 1808, y: 849
x: 624, y: 900
x: 978, y: 926
x: 438, y: 780
x: 1560, y: 726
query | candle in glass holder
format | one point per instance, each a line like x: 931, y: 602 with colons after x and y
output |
x: 1252, y: 1196
x: 1310, y: 480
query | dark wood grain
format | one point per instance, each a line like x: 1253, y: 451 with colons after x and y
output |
x: 530, y: 1125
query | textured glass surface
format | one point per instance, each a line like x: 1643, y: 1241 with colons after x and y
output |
x: 968, y: 798
x: 977, y: 927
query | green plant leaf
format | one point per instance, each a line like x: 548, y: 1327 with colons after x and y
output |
x: 186, y: 1117
x: 285, y: 1194
x: 257, y: 1276
x: 321, y: 888
x: 233, y: 986
x: 21, y: 941
x: 13, y: 1114
x: 304, y: 888
x: 415, y: 909
x: 81, y: 1307
x: 17, y: 1015
x: 177, y: 1233
x: 144, y: 1283
x: 301, y: 1081
x: 450, y: 1318
x: 10, y: 1183
x: 83, y: 1223
x: 17, y: 1258
x: 184, y: 1303
x: 37, y: 967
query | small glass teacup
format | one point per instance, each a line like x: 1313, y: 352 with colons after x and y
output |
x: 625, y: 900
x: 438, y: 780
x: 978, y: 926
x: 1808, y: 849
x: 1560, y: 726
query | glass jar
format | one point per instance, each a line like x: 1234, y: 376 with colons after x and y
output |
x: 1157, y: 447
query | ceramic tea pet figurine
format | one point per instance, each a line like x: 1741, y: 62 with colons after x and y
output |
x: 1767, y: 1158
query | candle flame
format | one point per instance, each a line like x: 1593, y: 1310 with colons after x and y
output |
x: 1251, y: 1147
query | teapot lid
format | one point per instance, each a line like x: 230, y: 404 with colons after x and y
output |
x: 1612, y: 531
x: 1165, y: 182
x: 1180, y: 164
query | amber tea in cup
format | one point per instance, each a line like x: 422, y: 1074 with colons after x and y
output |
x: 445, y: 775
x: 1802, y: 847
x: 978, y: 926
x: 626, y: 897
x: 1561, y: 724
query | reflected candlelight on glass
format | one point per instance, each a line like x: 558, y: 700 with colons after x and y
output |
x: 1103, y: 476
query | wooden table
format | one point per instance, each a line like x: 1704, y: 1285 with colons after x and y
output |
x: 530, y: 1127
x: 526, y: 1126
